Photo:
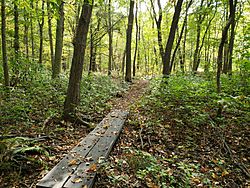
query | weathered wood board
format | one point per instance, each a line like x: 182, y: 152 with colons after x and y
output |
x: 78, y: 168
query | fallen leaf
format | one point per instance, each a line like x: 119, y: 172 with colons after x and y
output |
x: 196, y: 180
x: 92, y: 168
x: 170, y: 171
x: 214, y: 176
x: 224, y: 173
x: 72, y: 162
x: 76, y: 180
x: 105, y: 126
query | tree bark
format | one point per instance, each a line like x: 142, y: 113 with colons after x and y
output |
x: 128, y: 76
x: 232, y: 35
x: 136, y: 39
x: 169, y: 45
x: 32, y: 34
x: 59, y: 41
x: 50, y: 33
x: 73, y: 93
x: 16, y: 32
x: 180, y: 36
x: 110, y: 31
x: 220, y: 51
x: 26, y: 34
x: 158, y: 25
x: 41, y: 24
x: 199, y: 22
x: 4, y: 51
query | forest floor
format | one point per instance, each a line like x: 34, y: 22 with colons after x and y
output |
x: 175, y: 136
x: 57, y: 137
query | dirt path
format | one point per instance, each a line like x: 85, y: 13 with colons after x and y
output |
x: 124, y: 100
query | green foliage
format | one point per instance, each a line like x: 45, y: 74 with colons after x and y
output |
x: 96, y: 90
x: 38, y: 97
x: 21, y: 151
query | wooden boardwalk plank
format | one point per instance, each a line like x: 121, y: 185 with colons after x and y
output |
x: 98, y: 143
x: 84, y: 174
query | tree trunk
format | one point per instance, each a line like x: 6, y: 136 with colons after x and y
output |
x: 196, y: 52
x: 180, y: 36
x: 50, y: 33
x: 158, y: 25
x: 59, y: 42
x: 4, y: 51
x: 32, y: 34
x: 220, y: 51
x: 26, y: 34
x: 110, y: 31
x: 169, y: 45
x: 128, y: 77
x: 16, y: 32
x: 231, y: 42
x: 136, y: 39
x: 73, y: 92
x: 41, y: 24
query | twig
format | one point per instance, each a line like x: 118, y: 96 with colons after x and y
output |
x: 149, y: 141
x: 239, y: 165
x: 142, y: 145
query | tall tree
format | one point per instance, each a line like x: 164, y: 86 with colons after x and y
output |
x: 180, y: 37
x: 158, y: 25
x: 128, y: 76
x: 16, y: 32
x: 110, y: 34
x: 221, y: 46
x: 73, y: 92
x: 200, y: 20
x: 41, y: 24
x: 136, y: 38
x: 232, y: 36
x: 26, y: 33
x: 169, y: 45
x: 4, y: 52
x: 32, y: 33
x: 59, y: 41
x: 49, y: 10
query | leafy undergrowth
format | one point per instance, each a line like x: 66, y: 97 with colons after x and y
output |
x: 183, y: 134
x: 33, y: 136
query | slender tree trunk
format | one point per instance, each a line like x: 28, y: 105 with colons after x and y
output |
x: 50, y: 33
x: 220, y: 51
x: 26, y: 34
x: 180, y: 36
x: 123, y: 63
x: 225, y: 56
x: 231, y: 42
x: 128, y: 76
x: 59, y: 41
x: 73, y: 93
x: 184, y: 47
x: 91, y: 66
x: 32, y: 34
x: 4, y: 51
x: 110, y: 31
x: 136, y: 39
x: 169, y: 45
x: 158, y: 25
x: 41, y: 24
x: 196, y: 52
x: 16, y: 33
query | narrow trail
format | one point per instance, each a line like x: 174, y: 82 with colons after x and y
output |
x: 135, y: 91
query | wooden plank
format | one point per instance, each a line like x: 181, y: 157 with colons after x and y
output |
x: 86, y: 172
x: 71, y: 164
x: 63, y: 170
